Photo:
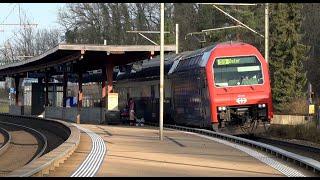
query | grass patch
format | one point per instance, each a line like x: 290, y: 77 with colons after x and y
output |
x: 4, y: 107
x: 294, y: 107
x: 307, y: 132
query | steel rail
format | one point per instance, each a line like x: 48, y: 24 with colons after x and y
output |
x: 285, y: 143
x: 39, y: 135
x: 6, y: 142
x: 55, y: 157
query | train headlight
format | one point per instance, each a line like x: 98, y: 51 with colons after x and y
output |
x: 261, y: 105
x: 222, y: 108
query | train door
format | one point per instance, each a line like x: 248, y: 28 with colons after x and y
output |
x: 167, y: 102
x: 154, y: 104
x: 205, y: 101
x: 196, y: 98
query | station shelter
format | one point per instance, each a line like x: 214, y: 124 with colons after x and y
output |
x: 73, y: 82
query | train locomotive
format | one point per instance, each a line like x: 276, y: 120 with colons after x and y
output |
x: 224, y: 87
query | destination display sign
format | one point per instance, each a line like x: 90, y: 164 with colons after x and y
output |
x: 227, y: 61
x: 236, y: 60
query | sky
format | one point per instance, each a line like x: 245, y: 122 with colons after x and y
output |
x: 43, y: 14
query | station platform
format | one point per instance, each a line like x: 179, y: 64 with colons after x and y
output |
x: 73, y: 162
x: 137, y: 151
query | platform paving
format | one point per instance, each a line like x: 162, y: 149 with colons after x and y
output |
x: 73, y: 162
x: 137, y: 151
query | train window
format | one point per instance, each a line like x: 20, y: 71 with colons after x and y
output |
x: 195, y: 61
x: 199, y: 59
x: 237, y: 71
x: 191, y: 62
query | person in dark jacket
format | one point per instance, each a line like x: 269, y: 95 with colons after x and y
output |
x: 132, y: 116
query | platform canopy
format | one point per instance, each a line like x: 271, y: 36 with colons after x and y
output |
x: 84, y: 57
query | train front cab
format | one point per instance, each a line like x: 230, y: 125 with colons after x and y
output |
x: 239, y: 86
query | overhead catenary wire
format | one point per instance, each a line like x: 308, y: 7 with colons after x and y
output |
x: 8, y: 14
x: 237, y: 20
x: 20, y: 19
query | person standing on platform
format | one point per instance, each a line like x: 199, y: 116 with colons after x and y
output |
x: 132, y: 112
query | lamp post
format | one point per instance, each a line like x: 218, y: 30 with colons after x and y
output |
x: 161, y: 70
x: 266, y: 32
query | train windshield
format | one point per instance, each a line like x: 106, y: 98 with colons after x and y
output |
x: 237, y: 71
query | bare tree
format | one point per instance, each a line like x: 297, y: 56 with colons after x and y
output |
x: 28, y: 42
x: 95, y: 22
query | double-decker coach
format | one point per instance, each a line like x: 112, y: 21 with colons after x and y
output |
x: 225, y: 86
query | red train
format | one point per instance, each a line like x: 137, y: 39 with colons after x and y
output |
x: 223, y: 87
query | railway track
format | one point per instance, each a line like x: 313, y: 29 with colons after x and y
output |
x: 54, y: 133
x: 308, y: 151
x: 61, y: 141
x: 5, y: 139
x: 26, y: 144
